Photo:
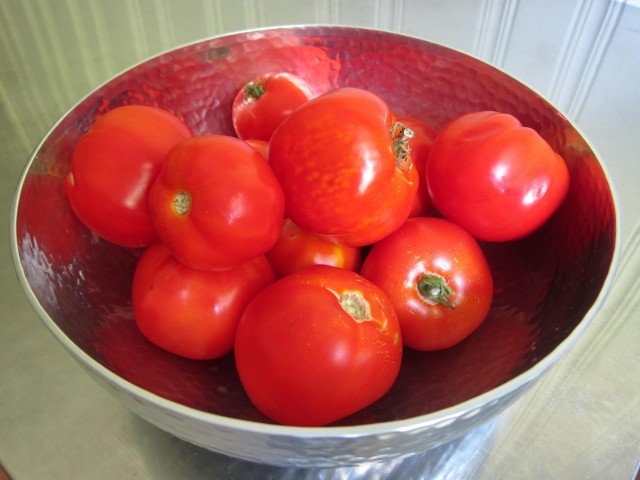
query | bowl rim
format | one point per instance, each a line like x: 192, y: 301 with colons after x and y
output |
x: 272, y: 429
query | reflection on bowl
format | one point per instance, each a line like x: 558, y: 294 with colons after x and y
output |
x: 548, y: 286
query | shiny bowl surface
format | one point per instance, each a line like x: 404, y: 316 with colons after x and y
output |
x: 548, y: 286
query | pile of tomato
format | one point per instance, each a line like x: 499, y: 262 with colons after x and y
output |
x: 324, y: 238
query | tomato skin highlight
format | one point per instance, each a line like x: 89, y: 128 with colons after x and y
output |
x: 113, y: 167
x: 335, y: 159
x: 216, y: 203
x: 298, y: 248
x: 436, y: 248
x: 497, y: 179
x: 263, y: 103
x: 189, y: 312
x: 304, y: 360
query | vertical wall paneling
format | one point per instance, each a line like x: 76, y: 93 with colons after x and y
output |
x: 388, y: 15
x: 212, y: 17
x: 509, y: 10
x: 137, y: 27
x: 568, y: 49
x: 493, y: 30
x: 166, y: 28
x: 597, y: 53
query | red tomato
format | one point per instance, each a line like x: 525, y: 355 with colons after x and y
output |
x: 497, y: 179
x: 317, y: 345
x: 261, y: 105
x: 113, y: 167
x: 297, y: 249
x: 216, y: 203
x: 343, y: 164
x: 437, y: 278
x: 423, y: 137
x: 193, y: 313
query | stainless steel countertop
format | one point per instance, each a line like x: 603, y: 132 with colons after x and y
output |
x: 580, y: 421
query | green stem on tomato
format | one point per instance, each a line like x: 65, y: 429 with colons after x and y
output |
x: 401, y: 136
x: 253, y: 91
x: 435, y: 289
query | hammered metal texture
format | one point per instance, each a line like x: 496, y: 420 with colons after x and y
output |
x: 546, y: 285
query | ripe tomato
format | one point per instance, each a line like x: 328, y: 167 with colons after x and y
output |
x: 113, y: 167
x: 437, y: 278
x: 261, y: 105
x: 423, y: 137
x: 297, y: 249
x: 497, y: 179
x: 216, y: 203
x: 317, y: 345
x: 193, y: 313
x: 343, y: 164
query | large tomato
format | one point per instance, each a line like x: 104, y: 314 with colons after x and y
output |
x: 113, y: 167
x: 437, y: 278
x: 317, y: 345
x: 216, y: 202
x: 343, y: 164
x: 423, y: 137
x: 297, y: 249
x: 494, y: 177
x: 193, y: 313
x: 261, y: 105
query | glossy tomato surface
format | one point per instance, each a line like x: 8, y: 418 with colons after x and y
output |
x: 113, y: 167
x: 298, y: 248
x: 193, y: 313
x: 264, y: 102
x: 216, y: 203
x: 437, y: 278
x: 318, y: 345
x: 343, y: 167
x: 497, y: 179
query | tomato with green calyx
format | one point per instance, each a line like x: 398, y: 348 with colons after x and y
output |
x: 264, y: 102
x: 437, y: 278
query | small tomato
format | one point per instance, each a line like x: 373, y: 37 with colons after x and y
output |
x: 263, y: 103
x: 297, y: 249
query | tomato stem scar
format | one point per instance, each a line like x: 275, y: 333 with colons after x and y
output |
x: 181, y: 203
x: 401, y: 136
x: 433, y: 289
x: 355, y: 305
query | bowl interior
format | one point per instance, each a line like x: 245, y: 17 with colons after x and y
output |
x: 544, y: 284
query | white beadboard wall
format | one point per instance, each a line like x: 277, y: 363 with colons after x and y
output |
x: 555, y: 46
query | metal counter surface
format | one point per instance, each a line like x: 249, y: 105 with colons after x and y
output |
x: 580, y: 421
